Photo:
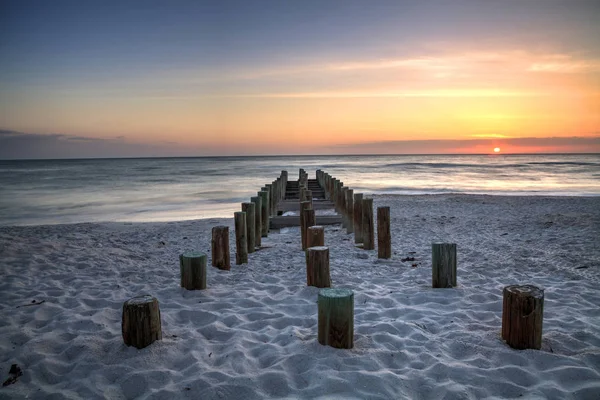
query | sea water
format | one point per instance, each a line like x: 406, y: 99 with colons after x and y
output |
x: 34, y: 192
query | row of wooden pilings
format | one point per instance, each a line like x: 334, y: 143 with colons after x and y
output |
x: 522, y: 305
x: 357, y: 215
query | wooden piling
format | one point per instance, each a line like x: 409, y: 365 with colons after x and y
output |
x: 308, y: 221
x: 140, y: 321
x: 192, y: 267
x: 349, y: 211
x: 257, y: 220
x: 315, y: 236
x: 443, y: 265
x: 317, y: 267
x: 368, y: 228
x: 384, y: 237
x: 305, y: 205
x: 241, y: 241
x: 522, y: 315
x: 357, y: 217
x: 336, y: 318
x: 264, y: 210
x: 220, y: 247
x: 250, y: 210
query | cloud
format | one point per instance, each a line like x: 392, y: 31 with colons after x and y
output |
x: 19, y: 145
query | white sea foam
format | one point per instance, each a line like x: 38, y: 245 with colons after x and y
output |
x: 252, y: 333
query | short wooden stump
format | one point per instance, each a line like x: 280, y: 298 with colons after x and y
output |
x: 336, y: 318
x: 522, y: 314
x: 317, y: 267
x: 140, y: 324
x: 193, y: 270
x: 443, y: 265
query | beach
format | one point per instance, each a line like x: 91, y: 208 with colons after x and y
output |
x: 252, y: 333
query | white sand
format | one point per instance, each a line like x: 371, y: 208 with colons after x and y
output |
x: 252, y: 333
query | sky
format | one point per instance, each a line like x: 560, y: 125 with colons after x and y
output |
x: 193, y: 78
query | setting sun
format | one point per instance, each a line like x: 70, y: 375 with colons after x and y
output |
x: 496, y: 149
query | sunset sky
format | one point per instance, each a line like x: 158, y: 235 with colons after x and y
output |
x: 102, y: 78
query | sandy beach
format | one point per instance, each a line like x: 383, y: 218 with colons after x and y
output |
x: 252, y: 333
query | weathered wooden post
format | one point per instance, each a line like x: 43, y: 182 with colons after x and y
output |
x: 264, y: 212
x: 140, y: 322
x: 368, y: 228
x: 317, y: 267
x: 241, y: 241
x: 308, y: 195
x: 250, y: 210
x: 384, y: 236
x: 443, y: 264
x: 220, y: 247
x: 357, y: 217
x: 269, y: 189
x: 257, y: 220
x: 522, y: 315
x: 315, y: 236
x: 304, y: 205
x: 343, y: 208
x: 308, y: 221
x: 336, y: 318
x: 349, y: 211
x: 192, y: 266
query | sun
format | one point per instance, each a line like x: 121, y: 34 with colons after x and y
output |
x: 496, y: 149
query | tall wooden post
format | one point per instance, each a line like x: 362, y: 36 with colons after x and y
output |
x: 257, y: 220
x: 250, y: 210
x: 241, y: 242
x: 220, y: 247
x: 350, y: 211
x: 308, y: 220
x: 343, y: 208
x: 368, y: 228
x: 192, y: 266
x: 317, y: 266
x: 305, y: 205
x: 336, y: 318
x: 443, y: 265
x: 315, y: 236
x: 140, y: 321
x: 264, y: 210
x: 522, y: 315
x: 384, y: 236
x: 269, y: 188
x: 357, y: 217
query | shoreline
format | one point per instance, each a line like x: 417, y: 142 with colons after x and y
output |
x: 253, y: 332
x: 416, y: 197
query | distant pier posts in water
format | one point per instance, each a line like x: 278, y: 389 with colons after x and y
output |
x: 264, y: 196
x: 140, y: 322
x: 349, y: 211
x: 357, y: 217
x: 192, y: 266
x: 315, y: 236
x: 257, y: 220
x: 308, y: 220
x: 368, y: 228
x: 443, y: 265
x: 336, y: 318
x: 250, y: 210
x: 384, y: 237
x: 241, y: 242
x: 220, y: 247
x: 317, y: 267
x: 522, y: 315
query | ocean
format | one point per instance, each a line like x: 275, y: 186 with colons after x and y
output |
x: 38, y: 192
